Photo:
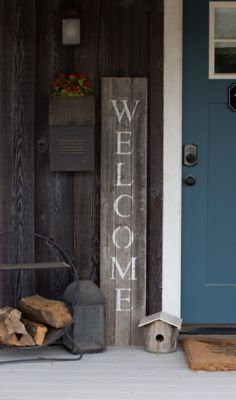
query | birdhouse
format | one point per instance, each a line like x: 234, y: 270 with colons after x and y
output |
x: 160, y: 332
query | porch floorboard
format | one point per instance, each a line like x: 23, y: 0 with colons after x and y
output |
x: 117, y: 374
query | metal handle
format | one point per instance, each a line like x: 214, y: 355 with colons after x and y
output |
x: 190, y: 180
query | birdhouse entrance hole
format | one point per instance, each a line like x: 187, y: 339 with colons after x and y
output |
x: 159, y: 338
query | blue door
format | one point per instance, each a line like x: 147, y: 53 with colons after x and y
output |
x: 209, y: 186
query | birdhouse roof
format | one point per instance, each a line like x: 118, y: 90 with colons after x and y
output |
x: 161, y: 316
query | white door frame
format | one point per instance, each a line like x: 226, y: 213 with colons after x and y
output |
x: 172, y: 159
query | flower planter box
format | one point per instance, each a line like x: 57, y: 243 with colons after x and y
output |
x: 72, y: 121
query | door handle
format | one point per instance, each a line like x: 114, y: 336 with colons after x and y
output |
x: 190, y: 180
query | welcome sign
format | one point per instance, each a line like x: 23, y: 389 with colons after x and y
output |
x: 123, y: 206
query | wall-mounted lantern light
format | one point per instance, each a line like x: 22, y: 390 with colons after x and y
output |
x: 71, y: 31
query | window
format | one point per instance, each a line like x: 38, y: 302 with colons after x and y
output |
x: 222, y: 40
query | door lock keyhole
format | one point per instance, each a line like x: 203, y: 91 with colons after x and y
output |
x: 190, y: 155
x: 191, y: 158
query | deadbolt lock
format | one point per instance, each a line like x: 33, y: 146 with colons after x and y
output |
x: 190, y: 155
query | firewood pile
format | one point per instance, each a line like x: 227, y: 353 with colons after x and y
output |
x: 28, y: 325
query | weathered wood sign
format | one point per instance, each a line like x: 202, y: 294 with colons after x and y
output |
x: 123, y: 206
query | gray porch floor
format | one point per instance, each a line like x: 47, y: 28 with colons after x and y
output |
x: 117, y: 374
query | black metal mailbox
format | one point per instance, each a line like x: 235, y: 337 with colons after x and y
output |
x: 72, y: 137
x: 72, y: 148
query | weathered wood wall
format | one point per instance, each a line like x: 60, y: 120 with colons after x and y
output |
x: 119, y: 38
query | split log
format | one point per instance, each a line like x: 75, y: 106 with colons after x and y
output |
x: 36, y: 330
x: 7, y: 339
x: 12, y: 330
x: 11, y: 318
x: 50, y: 312
x: 26, y: 340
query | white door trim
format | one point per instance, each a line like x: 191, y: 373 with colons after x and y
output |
x: 172, y: 159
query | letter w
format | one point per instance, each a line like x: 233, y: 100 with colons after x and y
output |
x: 125, y: 109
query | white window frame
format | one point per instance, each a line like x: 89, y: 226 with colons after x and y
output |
x: 213, y: 5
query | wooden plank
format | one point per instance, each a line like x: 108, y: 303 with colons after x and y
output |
x: 87, y: 184
x: 124, y: 38
x: 4, y: 188
x: 30, y: 266
x: 54, y: 191
x: 17, y: 152
x: 155, y: 159
x: 122, y: 89
x: 123, y: 206
x: 139, y: 220
x: 22, y: 140
x: 108, y: 286
x: 3, y: 69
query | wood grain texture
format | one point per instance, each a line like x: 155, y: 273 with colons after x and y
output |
x: 3, y: 69
x: 4, y: 193
x: 122, y: 88
x: 22, y: 179
x: 139, y: 217
x: 18, y: 143
x: 86, y: 184
x: 72, y: 111
x: 124, y: 38
x: 54, y: 191
x: 108, y: 286
x: 160, y: 337
x: 123, y: 223
x: 50, y: 312
x: 155, y: 159
x: 118, y: 38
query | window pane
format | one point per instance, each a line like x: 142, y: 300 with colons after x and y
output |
x: 225, y: 58
x: 225, y: 23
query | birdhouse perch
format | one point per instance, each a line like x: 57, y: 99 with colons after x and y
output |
x: 160, y: 332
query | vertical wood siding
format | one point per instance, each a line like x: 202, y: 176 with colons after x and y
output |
x: 54, y: 191
x: 155, y: 158
x: 17, y: 136
x: 118, y: 38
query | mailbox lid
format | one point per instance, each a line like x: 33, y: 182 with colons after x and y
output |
x: 72, y: 111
